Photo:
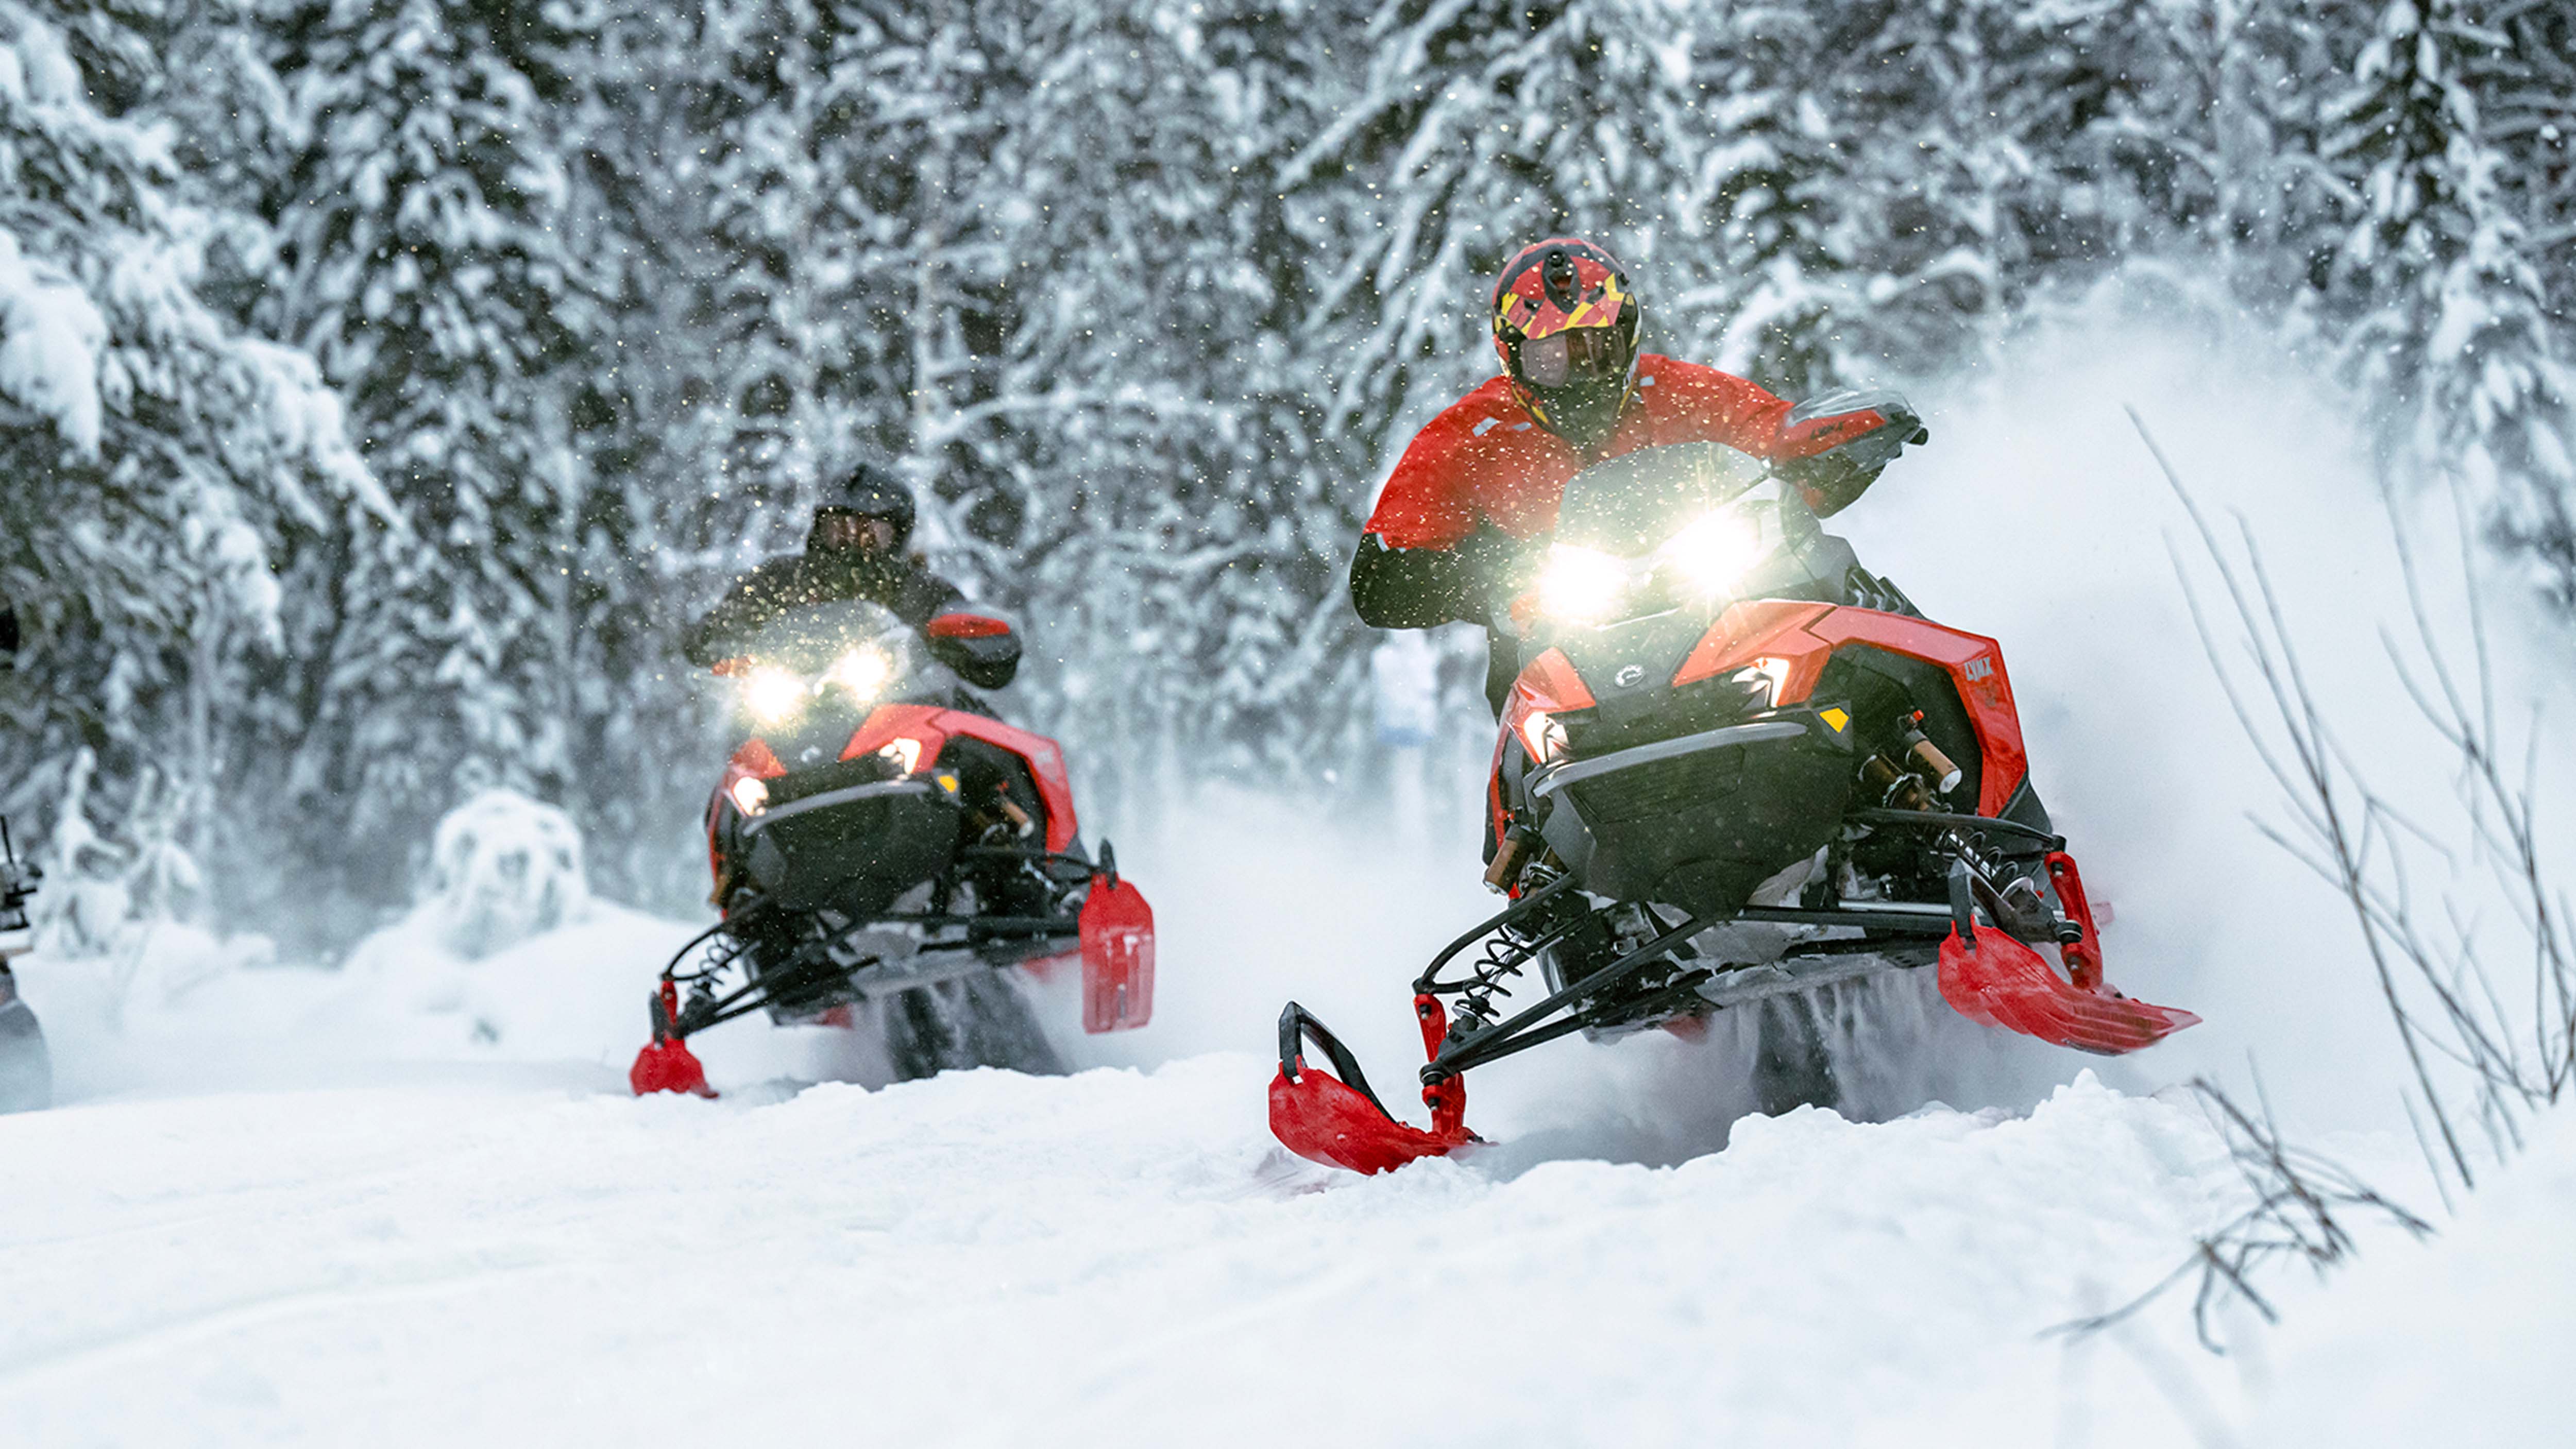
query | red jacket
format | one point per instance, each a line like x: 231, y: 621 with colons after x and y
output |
x: 1483, y: 475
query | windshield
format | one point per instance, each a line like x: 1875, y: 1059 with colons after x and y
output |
x: 813, y: 672
x: 812, y: 639
x: 1631, y: 504
x: 1683, y: 524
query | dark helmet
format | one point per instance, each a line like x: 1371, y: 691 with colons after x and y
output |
x: 1566, y: 325
x: 871, y: 492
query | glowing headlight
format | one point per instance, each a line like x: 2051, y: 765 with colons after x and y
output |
x: 774, y: 696
x: 862, y: 672
x: 1580, y: 584
x: 750, y: 794
x: 1544, y: 736
x: 905, y: 751
x: 1716, y: 549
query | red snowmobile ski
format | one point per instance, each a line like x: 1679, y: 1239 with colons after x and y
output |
x: 882, y: 841
x: 1735, y: 767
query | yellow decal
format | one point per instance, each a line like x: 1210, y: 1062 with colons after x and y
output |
x: 1835, y: 717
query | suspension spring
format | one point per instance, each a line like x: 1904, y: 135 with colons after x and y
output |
x: 1506, y: 953
x: 723, y: 949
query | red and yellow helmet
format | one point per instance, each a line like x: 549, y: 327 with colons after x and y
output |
x: 1565, y: 325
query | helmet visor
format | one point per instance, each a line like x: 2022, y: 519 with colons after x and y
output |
x: 1577, y: 354
x: 845, y: 530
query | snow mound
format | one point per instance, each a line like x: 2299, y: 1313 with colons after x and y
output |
x: 2421, y: 1341
x: 502, y: 868
x: 574, y: 993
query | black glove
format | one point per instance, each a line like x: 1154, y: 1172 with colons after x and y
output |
x: 1876, y: 426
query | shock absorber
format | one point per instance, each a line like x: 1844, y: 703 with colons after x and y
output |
x: 1937, y: 767
x: 1506, y: 953
x: 1896, y: 789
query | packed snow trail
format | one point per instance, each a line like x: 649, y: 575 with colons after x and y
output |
x: 994, y: 1259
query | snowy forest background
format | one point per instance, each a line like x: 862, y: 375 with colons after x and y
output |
x: 384, y: 384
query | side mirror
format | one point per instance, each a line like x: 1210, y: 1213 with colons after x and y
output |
x: 983, y: 651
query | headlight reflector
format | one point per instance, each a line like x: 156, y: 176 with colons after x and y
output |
x: 1580, y: 585
x: 774, y: 696
x: 1717, y: 549
x: 750, y: 794
x: 1544, y: 736
x: 863, y: 672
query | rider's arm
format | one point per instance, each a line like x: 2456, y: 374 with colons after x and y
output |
x: 1845, y: 439
x: 1428, y: 555
x: 751, y: 602
x: 922, y: 595
x: 1832, y: 445
x: 1423, y: 588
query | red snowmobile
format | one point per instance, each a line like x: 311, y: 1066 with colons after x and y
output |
x: 882, y: 845
x: 1735, y: 767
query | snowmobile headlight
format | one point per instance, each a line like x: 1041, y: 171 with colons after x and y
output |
x: 774, y: 696
x: 904, y: 751
x: 1544, y: 736
x: 1717, y: 549
x: 750, y: 794
x: 863, y: 672
x: 1580, y: 585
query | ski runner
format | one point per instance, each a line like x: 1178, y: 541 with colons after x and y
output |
x: 1468, y: 511
x: 855, y: 550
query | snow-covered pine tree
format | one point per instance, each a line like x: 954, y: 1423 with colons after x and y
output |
x: 1157, y: 500
x: 1983, y: 152
x: 2451, y: 338
x: 2528, y: 94
x: 2277, y: 209
x: 423, y: 258
x: 643, y: 90
x: 1774, y: 180
x: 156, y: 453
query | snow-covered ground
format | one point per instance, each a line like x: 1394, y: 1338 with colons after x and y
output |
x: 424, y: 1210
x: 995, y: 1259
x: 410, y: 1202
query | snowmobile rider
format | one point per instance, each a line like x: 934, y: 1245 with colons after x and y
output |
x: 1468, y: 511
x: 855, y: 550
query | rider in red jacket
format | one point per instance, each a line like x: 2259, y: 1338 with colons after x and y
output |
x: 1472, y: 503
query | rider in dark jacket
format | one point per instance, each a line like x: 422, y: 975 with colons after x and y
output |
x: 1471, y: 505
x: 855, y: 550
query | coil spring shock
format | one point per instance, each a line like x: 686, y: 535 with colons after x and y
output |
x: 723, y: 949
x: 1505, y: 954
